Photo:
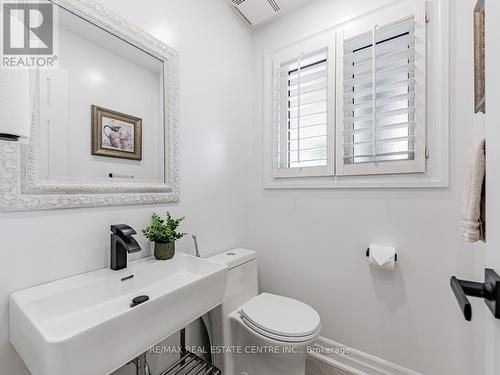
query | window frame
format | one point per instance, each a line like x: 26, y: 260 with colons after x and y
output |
x: 363, y: 26
x: 437, y: 173
x: 286, y: 55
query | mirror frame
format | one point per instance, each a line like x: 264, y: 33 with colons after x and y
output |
x: 20, y: 185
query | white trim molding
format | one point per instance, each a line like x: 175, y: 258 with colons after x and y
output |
x: 20, y: 185
x: 355, y: 361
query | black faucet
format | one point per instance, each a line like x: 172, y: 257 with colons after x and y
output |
x: 122, y: 243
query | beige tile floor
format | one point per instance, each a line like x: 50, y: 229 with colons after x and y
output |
x: 317, y: 367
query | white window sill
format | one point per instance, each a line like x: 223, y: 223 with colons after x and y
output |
x: 360, y: 182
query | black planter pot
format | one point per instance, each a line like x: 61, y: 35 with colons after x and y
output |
x: 164, y: 250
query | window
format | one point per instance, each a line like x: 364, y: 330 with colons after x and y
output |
x: 378, y: 130
x: 304, y: 97
x: 385, y: 109
x: 304, y: 102
x: 352, y: 102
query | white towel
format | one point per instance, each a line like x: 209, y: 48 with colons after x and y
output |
x: 473, y: 199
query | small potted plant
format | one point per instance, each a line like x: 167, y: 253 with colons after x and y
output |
x: 163, y: 233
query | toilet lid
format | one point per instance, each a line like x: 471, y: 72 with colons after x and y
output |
x: 281, y: 316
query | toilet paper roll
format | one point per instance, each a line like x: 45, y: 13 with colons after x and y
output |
x: 382, y: 257
x: 14, y: 103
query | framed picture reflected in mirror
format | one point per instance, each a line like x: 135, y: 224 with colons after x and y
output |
x: 116, y: 134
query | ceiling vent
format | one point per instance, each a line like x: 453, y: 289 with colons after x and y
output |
x: 256, y: 12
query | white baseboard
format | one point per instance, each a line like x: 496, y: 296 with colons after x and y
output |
x: 355, y: 361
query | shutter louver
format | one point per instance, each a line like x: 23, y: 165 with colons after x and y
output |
x: 302, y: 92
x: 379, y: 95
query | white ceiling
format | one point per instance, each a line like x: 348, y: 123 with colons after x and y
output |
x: 288, y: 5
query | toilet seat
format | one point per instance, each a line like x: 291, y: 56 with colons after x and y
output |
x: 281, y: 318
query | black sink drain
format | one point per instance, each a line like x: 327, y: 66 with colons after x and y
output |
x: 138, y: 300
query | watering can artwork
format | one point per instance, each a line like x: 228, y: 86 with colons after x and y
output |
x: 118, y: 137
x: 116, y: 134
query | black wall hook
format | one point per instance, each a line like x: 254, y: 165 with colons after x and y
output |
x: 489, y: 291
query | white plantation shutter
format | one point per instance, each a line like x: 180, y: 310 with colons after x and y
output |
x: 379, y: 98
x: 303, y: 115
x: 351, y: 102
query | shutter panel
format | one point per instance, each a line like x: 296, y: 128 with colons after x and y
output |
x: 302, y: 118
x: 379, y: 95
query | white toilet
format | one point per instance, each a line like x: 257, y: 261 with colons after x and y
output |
x: 254, y: 334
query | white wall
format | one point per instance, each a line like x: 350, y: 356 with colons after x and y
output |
x: 489, y: 335
x: 312, y: 242
x: 215, y: 58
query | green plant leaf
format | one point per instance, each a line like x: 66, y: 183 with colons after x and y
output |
x: 163, y: 229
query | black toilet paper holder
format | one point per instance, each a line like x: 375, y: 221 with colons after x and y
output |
x: 368, y: 255
x: 489, y: 291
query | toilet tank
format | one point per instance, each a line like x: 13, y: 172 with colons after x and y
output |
x: 242, y: 285
x: 242, y: 282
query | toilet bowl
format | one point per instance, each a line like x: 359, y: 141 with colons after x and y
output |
x: 254, y: 334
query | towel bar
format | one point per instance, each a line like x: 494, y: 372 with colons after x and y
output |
x: 189, y: 363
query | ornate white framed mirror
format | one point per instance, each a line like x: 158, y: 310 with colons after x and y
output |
x: 104, y: 121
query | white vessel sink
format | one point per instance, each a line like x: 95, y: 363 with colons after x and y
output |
x: 85, y: 325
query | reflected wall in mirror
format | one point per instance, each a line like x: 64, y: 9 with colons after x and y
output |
x: 97, y: 68
x: 104, y: 120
